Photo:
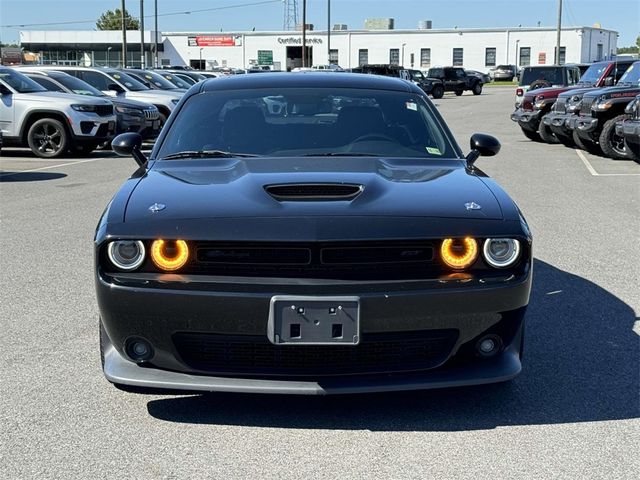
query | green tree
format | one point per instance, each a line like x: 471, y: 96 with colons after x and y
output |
x: 111, y: 20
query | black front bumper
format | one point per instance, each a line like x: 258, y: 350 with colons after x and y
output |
x: 224, y: 321
x: 529, y: 119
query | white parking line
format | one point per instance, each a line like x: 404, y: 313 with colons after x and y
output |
x: 49, y: 167
x: 593, y: 171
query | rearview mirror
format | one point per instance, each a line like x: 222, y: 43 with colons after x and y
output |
x: 129, y: 144
x: 482, y: 145
x: 608, y: 82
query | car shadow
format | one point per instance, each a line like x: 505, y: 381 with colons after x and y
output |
x: 29, y: 176
x: 581, y: 364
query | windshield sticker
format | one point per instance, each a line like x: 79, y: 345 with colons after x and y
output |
x: 412, y: 106
x: 434, y: 151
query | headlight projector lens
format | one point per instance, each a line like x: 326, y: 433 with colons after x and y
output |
x: 169, y: 255
x: 126, y: 254
x: 501, y: 252
x: 459, y: 253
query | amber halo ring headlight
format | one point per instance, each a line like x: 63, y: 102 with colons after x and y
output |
x: 169, y: 255
x: 501, y: 252
x: 126, y: 255
x: 459, y: 253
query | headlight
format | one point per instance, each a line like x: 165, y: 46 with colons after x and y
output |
x: 631, y: 108
x: 128, y: 111
x: 603, y: 103
x: 169, y: 255
x: 84, y: 108
x: 501, y: 252
x: 459, y: 253
x: 126, y: 254
x: 575, y: 99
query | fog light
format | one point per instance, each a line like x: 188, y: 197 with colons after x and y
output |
x: 488, y: 346
x: 138, y: 349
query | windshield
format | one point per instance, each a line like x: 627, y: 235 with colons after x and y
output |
x: 593, y: 73
x: 128, y: 81
x: 632, y: 75
x: 77, y: 86
x: 308, y: 122
x: 552, y: 75
x: 156, y: 80
x: 178, y: 82
x: 417, y: 75
x: 19, y: 82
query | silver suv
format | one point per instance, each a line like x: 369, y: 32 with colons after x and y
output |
x: 51, y: 124
x: 116, y: 83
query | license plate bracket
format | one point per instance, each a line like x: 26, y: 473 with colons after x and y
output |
x: 307, y: 320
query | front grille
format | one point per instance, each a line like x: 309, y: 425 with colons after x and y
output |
x: 585, y: 105
x: 346, y: 261
x: 104, y: 110
x: 151, y: 114
x: 391, y: 352
x: 527, y: 103
x: 560, y: 106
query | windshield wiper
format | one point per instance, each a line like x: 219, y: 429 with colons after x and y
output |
x: 341, y: 154
x: 206, y: 154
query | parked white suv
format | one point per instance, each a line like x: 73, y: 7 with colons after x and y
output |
x: 51, y: 124
x: 116, y: 83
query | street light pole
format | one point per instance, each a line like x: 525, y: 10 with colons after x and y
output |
x: 200, y: 61
x: 142, y: 62
x: 124, y: 35
x: 557, y: 59
x: 156, y: 33
x: 403, y: 54
x: 109, y: 56
x: 328, y: 32
x: 304, y: 33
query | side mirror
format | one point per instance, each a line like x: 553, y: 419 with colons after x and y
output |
x: 4, y: 90
x: 129, y: 144
x: 608, y: 82
x: 115, y: 87
x: 482, y: 145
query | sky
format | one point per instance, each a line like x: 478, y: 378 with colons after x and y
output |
x: 620, y: 15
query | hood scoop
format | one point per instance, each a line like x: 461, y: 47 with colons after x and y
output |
x: 314, y: 192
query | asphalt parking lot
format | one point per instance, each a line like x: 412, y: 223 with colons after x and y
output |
x: 572, y: 413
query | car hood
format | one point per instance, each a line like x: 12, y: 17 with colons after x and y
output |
x: 60, y: 98
x: 128, y: 102
x: 235, y: 188
x: 616, y: 92
x: 154, y: 95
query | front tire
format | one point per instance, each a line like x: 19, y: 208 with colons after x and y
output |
x: 586, y: 145
x: 48, y: 138
x: 613, y: 145
x: 531, y: 135
x: 437, y: 92
x: 547, y: 135
x: 477, y: 88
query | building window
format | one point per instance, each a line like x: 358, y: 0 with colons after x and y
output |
x: 525, y: 56
x: 563, y: 55
x: 425, y: 57
x: 394, y: 56
x: 363, y: 56
x: 458, y: 57
x: 333, y: 56
x: 490, y: 57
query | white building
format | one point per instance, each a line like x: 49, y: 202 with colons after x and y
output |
x: 478, y: 48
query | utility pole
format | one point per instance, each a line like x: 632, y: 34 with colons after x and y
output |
x: 557, y: 59
x: 328, y: 32
x: 304, y: 33
x: 142, y: 62
x: 156, y: 33
x: 124, y: 35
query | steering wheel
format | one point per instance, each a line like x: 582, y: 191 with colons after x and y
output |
x: 373, y: 137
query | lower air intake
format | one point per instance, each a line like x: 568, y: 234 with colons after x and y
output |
x: 313, y: 192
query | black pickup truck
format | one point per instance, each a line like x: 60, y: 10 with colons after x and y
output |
x: 431, y: 86
x: 456, y: 80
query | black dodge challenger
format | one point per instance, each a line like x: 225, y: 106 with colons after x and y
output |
x: 310, y: 233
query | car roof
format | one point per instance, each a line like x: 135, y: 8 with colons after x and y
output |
x: 308, y: 79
